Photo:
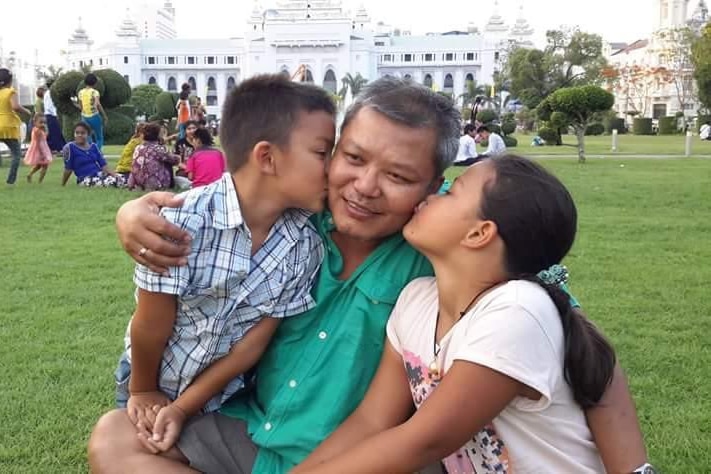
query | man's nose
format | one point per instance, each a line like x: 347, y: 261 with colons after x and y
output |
x: 367, y: 182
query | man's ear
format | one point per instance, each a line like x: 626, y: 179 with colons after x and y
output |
x: 480, y: 235
x: 263, y: 156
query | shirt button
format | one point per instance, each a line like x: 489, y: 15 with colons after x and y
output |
x: 292, y: 383
x: 267, y: 426
x: 322, y: 335
x: 376, y: 302
x: 330, y: 220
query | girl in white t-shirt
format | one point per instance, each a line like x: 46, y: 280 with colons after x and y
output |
x: 498, y: 364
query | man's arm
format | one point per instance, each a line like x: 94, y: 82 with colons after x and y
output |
x: 387, y: 404
x: 615, y: 428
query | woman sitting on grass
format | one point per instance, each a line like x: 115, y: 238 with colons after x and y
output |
x: 152, y: 168
x: 86, y: 162
x: 125, y: 162
x: 498, y: 364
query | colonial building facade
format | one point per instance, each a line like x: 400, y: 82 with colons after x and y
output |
x: 318, y: 37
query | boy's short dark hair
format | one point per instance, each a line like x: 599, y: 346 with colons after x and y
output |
x: 151, y: 132
x: 266, y: 108
x: 204, y: 136
x: 469, y: 128
x: 483, y: 128
x: 90, y: 80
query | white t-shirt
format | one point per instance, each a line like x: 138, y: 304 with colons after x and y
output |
x: 467, y: 148
x: 705, y: 131
x: 49, y: 108
x: 515, y: 329
x: 496, y: 145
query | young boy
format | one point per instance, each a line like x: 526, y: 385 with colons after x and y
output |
x: 253, y: 260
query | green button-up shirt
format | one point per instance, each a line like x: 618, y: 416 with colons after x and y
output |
x: 319, y: 364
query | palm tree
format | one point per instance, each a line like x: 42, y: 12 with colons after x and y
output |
x: 351, y: 83
x: 51, y: 74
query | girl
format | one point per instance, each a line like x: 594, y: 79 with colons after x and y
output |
x: 152, y: 164
x: 86, y: 162
x: 183, y: 108
x: 38, y: 155
x: 125, y: 162
x: 497, y: 363
x: 10, y: 121
x: 89, y: 103
x: 206, y: 165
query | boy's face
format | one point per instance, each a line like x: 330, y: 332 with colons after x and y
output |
x: 302, y: 168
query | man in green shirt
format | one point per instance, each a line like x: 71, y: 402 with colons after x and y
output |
x: 396, y: 141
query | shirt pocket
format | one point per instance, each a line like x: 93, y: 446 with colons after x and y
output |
x: 373, y: 304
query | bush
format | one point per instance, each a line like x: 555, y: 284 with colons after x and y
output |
x: 493, y: 128
x: 119, y: 129
x: 667, y: 125
x: 510, y: 142
x: 143, y: 97
x: 595, y: 129
x: 486, y: 116
x: 508, y: 127
x: 63, y: 89
x: 117, y: 90
x: 68, y: 122
x: 616, y: 124
x: 548, y: 134
x: 165, y: 106
x: 129, y: 110
x: 642, y: 126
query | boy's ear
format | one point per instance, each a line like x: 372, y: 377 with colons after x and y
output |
x: 263, y: 157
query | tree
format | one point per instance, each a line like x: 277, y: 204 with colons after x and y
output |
x: 165, y: 106
x: 676, y: 54
x: 351, y: 83
x: 580, y: 106
x: 701, y: 59
x: 51, y: 74
x: 143, y: 98
x: 636, y: 84
x: 571, y: 58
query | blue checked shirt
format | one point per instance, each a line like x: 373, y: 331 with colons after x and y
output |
x: 224, y: 290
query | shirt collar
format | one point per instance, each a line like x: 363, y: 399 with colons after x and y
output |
x: 229, y: 215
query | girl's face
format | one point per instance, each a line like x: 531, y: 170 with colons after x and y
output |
x: 442, y: 221
x: 190, y: 130
x: 194, y: 141
x: 80, y: 136
x: 40, y: 122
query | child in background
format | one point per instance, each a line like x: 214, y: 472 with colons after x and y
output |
x: 10, y: 122
x: 123, y: 167
x: 207, y: 164
x: 38, y: 155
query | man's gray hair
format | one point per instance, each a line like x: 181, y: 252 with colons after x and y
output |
x: 415, y: 106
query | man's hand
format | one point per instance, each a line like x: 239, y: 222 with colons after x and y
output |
x: 142, y: 408
x: 140, y: 227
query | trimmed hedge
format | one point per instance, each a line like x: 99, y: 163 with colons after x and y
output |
x: 595, y: 129
x: 486, y: 116
x: 510, y: 142
x: 129, y: 110
x: 616, y: 124
x: 165, y: 106
x: 117, y: 90
x: 642, y: 126
x: 548, y: 134
x: 119, y: 129
x: 508, y: 127
x: 667, y: 125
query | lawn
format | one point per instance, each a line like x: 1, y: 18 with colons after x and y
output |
x: 627, y: 144
x: 641, y: 268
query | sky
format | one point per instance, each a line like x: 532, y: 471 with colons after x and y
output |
x: 615, y: 20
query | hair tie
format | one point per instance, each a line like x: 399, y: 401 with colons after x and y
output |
x: 555, y: 275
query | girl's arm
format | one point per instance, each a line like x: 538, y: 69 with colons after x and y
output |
x: 468, y: 398
x: 387, y: 404
x: 615, y: 427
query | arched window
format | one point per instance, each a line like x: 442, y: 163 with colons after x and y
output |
x: 469, y: 78
x: 211, y: 91
x: 329, y: 81
x: 309, y: 77
x: 193, y: 85
x: 408, y: 77
x: 151, y: 80
x: 231, y: 83
x: 448, y: 83
x: 172, y: 84
x: 427, y: 81
x: 285, y: 71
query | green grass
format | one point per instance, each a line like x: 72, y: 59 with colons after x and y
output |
x: 627, y: 144
x: 641, y: 267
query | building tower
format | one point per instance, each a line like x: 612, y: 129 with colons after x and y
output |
x: 671, y: 13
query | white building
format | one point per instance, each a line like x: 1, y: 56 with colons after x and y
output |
x: 653, y: 81
x: 319, y: 35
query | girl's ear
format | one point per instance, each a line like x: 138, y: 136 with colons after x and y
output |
x: 480, y: 235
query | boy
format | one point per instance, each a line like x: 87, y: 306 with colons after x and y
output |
x: 253, y: 261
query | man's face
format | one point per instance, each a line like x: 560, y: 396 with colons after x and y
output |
x: 379, y: 172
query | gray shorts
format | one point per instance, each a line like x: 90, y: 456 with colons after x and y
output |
x: 217, y: 444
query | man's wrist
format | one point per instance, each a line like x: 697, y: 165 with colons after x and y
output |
x: 645, y: 468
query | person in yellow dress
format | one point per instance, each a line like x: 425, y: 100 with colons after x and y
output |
x: 89, y: 102
x: 125, y: 162
x: 10, y: 121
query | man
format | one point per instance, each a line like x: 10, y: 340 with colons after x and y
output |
x: 496, y: 143
x: 467, y: 154
x: 705, y: 131
x: 396, y: 140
